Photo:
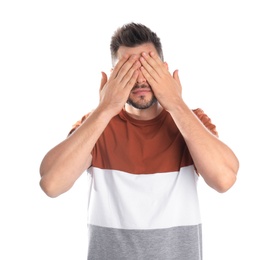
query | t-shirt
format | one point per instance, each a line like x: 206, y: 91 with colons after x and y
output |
x: 142, y: 199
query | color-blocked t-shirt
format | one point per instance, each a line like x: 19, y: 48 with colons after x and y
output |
x: 143, y: 201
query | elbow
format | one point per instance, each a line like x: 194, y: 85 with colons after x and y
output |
x: 228, y: 178
x: 49, y: 188
x: 222, y: 188
x: 226, y: 182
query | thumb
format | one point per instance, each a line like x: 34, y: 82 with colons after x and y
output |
x: 176, y: 76
x: 177, y: 79
x: 103, y: 80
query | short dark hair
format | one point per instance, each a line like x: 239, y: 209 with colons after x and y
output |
x: 132, y: 35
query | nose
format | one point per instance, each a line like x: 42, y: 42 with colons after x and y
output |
x: 141, y: 78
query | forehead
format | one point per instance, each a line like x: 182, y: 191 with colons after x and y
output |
x: 123, y: 50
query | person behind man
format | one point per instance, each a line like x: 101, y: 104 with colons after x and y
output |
x: 144, y: 150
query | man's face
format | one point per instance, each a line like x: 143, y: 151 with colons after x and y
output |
x: 141, y: 96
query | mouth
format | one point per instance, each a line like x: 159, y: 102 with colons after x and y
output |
x: 141, y: 90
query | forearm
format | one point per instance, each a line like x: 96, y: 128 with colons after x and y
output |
x: 64, y: 164
x: 213, y: 159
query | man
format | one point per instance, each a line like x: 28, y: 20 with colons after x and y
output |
x: 144, y: 150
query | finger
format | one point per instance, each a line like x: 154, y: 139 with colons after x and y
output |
x: 117, y: 67
x: 103, y: 80
x: 132, y: 81
x: 154, y: 61
x: 123, y: 66
x: 148, y: 76
x: 127, y: 69
x: 176, y: 76
x: 151, y: 66
x: 131, y: 76
x: 177, y: 79
x: 156, y: 58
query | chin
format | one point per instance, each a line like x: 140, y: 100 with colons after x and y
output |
x: 142, y: 104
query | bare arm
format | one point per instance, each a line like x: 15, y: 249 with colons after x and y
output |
x: 64, y: 163
x: 214, y: 160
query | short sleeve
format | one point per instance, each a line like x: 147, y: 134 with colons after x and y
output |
x: 78, y: 123
x: 206, y: 121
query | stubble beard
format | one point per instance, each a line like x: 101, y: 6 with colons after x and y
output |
x: 142, y: 102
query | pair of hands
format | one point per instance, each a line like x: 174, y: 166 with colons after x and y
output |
x: 115, y: 91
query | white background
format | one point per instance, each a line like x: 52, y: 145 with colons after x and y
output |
x: 51, y: 56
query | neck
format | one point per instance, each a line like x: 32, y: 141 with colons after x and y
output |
x: 143, y: 114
